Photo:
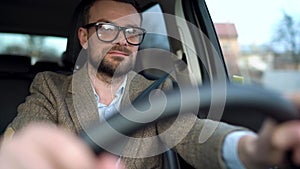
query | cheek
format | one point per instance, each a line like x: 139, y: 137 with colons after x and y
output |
x: 97, y: 48
x: 133, y: 58
x: 134, y: 49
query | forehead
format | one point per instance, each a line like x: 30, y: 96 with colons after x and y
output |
x: 118, y: 12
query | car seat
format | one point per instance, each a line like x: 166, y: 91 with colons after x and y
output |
x: 15, y: 79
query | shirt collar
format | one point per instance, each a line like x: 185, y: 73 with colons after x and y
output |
x: 119, y: 93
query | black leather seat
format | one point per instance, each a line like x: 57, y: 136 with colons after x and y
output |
x: 15, y: 79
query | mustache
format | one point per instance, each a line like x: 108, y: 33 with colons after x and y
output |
x: 121, y: 49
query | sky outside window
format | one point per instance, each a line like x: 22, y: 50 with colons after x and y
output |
x: 254, y: 19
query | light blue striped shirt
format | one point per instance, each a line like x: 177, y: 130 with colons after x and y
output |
x: 107, y: 111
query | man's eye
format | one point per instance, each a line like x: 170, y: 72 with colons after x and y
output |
x: 107, y: 28
x: 131, y: 31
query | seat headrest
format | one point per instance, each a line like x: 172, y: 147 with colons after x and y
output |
x: 15, y: 63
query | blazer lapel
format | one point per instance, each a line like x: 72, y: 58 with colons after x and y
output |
x: 81, y: 100
x: 134, y: 86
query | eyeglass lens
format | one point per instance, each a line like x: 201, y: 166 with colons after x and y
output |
x: 108, y: 32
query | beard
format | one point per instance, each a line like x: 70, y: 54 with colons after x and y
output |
x: 114, y: 66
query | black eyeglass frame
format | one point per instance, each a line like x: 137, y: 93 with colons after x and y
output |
x: 120, y: 28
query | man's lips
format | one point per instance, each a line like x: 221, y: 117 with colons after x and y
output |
x: 118, y: 53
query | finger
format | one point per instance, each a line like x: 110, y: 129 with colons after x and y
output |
x: 287, y: 135
x: 60, y: 148
x: 295, y: 98
x: 15, y: 155
x: 109, y: 161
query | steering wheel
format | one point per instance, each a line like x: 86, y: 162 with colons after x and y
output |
x: 237, y: 98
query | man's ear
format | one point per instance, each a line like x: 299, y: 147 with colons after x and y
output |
x: 83, y: 37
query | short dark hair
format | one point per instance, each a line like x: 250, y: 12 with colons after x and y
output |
x: 90, y: 3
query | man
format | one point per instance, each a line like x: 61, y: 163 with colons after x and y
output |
x: 111, y: 36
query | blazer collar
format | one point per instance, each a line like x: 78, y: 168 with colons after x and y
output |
x: 81, y: 100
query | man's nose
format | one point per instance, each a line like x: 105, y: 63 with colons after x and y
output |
x: 121, y: 39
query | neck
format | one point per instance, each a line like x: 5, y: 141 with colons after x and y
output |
x: 105, y: 86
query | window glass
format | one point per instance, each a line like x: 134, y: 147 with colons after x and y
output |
x: 154, y: 23
x: 260, y: 40
x: 152, y: 58
x: 37, y: 47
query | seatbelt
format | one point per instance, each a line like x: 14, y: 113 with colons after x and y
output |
x: 179, y: 65
x: 171, y: 160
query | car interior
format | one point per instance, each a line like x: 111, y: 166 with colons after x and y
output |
x: 55, y: 18
x: 177, y: 30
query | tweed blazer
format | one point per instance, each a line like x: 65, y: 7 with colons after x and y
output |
x: 69, y: 101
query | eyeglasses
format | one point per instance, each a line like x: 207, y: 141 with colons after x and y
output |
x: 108, y: 32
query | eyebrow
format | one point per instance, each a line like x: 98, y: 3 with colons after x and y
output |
x: 104, y: 20
x: 108, y: 21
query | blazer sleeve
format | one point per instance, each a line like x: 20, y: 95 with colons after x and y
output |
x: 41, y: 105
x: 198, y: 141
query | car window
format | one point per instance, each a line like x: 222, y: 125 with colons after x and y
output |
x: 156, y: 36
x: 260, y: 41
x: 45, y: 48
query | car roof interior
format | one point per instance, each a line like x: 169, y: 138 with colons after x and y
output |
x: 32, y: 16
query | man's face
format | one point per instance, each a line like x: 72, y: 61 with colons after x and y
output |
x: 118, y: 57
